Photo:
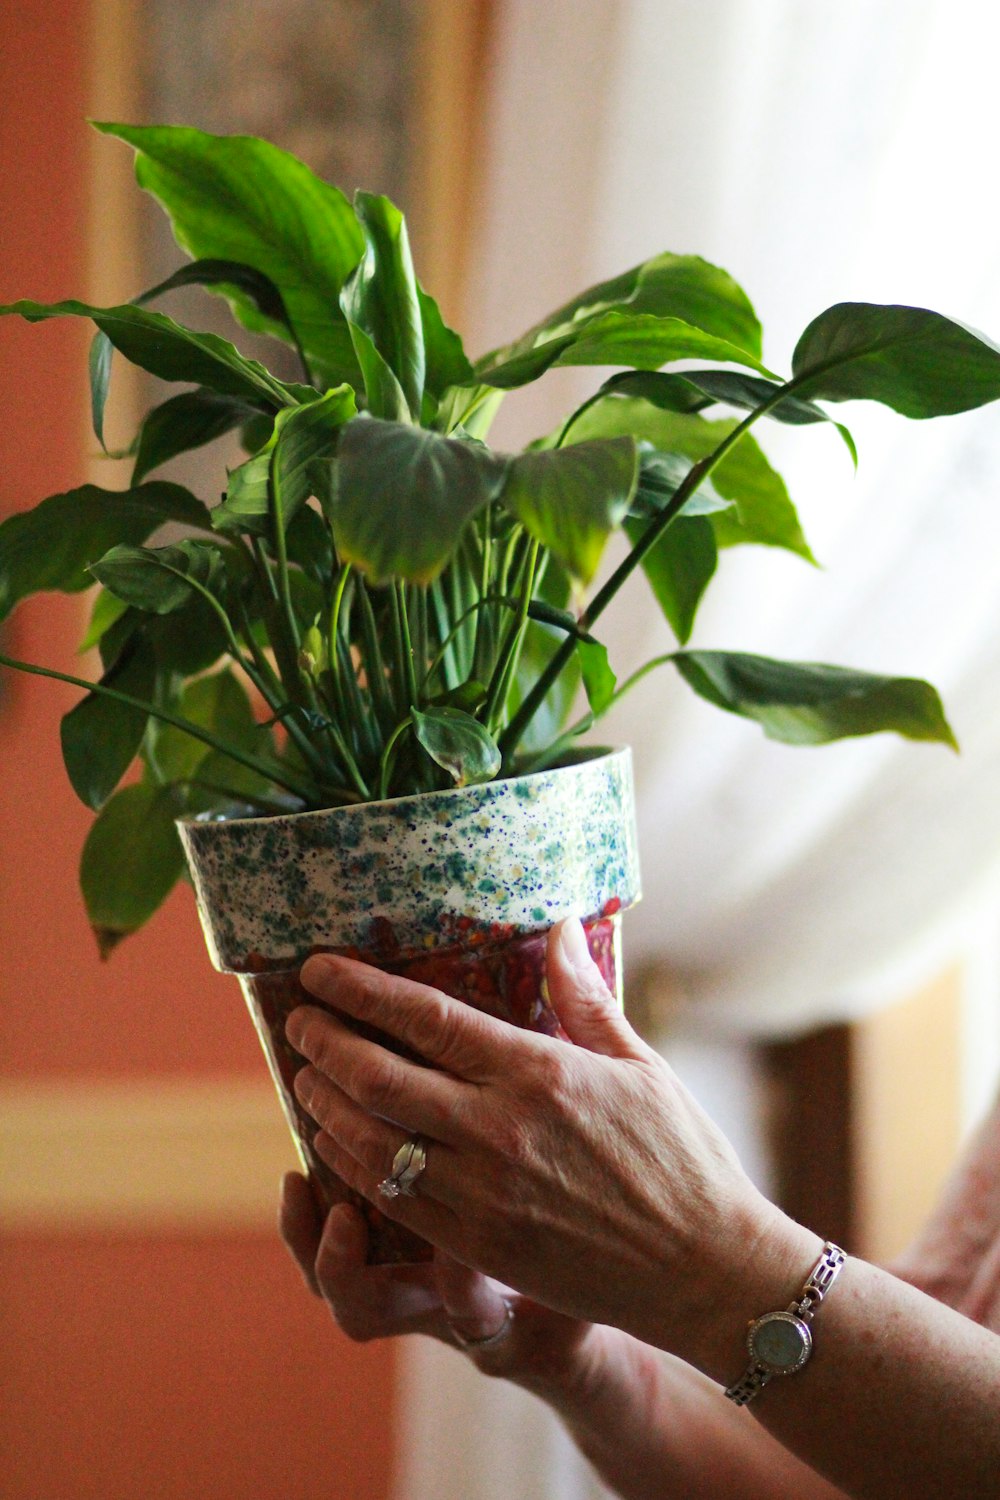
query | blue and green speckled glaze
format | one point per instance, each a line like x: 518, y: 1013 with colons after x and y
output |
x: 392, y: 879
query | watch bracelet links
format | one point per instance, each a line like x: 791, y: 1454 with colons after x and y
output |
x: 819, y: 1281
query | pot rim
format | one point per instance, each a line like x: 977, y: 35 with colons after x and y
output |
x: 210, y: 819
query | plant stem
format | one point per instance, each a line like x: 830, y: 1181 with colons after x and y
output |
x: 506, y: 664
x: 270, y: 772
x: 371, y: 653
x: 385, y: 767
x: 657, y: 526
x: 406, y: 644
x: 285, y: 649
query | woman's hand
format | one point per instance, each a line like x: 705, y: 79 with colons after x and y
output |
x: 585, y: 1176
x: 544, y: 1351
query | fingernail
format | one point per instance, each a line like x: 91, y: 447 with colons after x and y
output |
x: 303, y: 1084
x: 293, y: 1027
x: 315, y: 974
x: 574, y: 945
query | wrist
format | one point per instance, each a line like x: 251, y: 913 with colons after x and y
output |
x: 758, y: 1264
x: 568, y: 1377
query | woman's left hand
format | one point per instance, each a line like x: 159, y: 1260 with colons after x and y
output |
x: 586, y: 1177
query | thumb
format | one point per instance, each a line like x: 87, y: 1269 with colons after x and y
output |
x: 585, y: 1006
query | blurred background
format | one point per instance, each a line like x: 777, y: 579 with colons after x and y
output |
x: 818, y: 951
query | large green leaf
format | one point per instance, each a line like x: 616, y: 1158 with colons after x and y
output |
x: 458, y: 743
x: 185, y: 422
x: 131, y: 860
x: 762, y: 510
x: 159, y: 579
x: 572, y: 498
x: 696, y: 389
x: 208, y: 273
x: 220, y: 704
x: 916, y: 361
x: 806, y: 703
x: 679, y: 566
x: 279, y: 479
x: 241, y: 199
x: 668, y: 286
x: 101, y: 737
x: 52, y: 546
x: 381, y: 300
x: 403, y: 496
x: 156, y: 343
x: 641, y: 340
x: 599, y: 680
x: 446, y: 363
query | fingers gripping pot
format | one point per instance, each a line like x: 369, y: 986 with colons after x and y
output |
x: 456, y: 889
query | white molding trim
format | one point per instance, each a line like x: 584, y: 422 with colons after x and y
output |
x: 203, y: 1155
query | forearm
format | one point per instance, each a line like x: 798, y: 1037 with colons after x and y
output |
x: 901, y: 1397
x: 656, y: 1429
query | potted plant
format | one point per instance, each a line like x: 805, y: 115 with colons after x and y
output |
x: 360, y: 667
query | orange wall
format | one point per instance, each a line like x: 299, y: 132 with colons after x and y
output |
x: 170, y: 1365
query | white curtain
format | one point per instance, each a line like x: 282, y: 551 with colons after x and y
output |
x: 821, y: 153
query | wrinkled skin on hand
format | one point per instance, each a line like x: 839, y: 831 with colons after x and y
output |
x: 585, y: 1176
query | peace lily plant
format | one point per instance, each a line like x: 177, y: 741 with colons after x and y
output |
x: 382, y: 604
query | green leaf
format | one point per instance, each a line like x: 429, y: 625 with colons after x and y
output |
x: 916, y: 361
x: 661, y: 476
x: 380, y: 299
x: 159, y: 579
x: 696, y: 389
x: 302, y: 436
x: 52, y: 546
x: 458, y: 743
x: 247, y: 506
x: 637, y: 339
x: 99, y: 372
x: 681, y: 288
x: 599, y: 680
x: 679, y: 566
x: 131, y: 860
x: 184, y: 422
x: 403, y: 496
x: 105, y: 611
x: 805, y: 703
x: 100, y: 737
x: 220, y: 704
x: 240, y: 199
x: 156, y: 343
x: 280, y: 478
x: 209, y: 273
x: 445, y: 357
x: 763, y: 512
x: 572, y: 498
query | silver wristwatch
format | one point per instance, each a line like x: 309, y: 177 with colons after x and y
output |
x: 781, y: 1342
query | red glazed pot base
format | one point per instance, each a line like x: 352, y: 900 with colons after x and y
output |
x: 503, y: 978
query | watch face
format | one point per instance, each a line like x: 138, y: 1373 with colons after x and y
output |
x: 780, y: 1342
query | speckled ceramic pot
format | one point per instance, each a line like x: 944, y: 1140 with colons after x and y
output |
x: 454, y: 888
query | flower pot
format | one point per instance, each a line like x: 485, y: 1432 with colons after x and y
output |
x: 456, y: 889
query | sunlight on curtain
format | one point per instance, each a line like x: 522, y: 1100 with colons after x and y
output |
x: 820, y: 153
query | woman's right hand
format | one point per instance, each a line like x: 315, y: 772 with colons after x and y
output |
x: 543, y: 1351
